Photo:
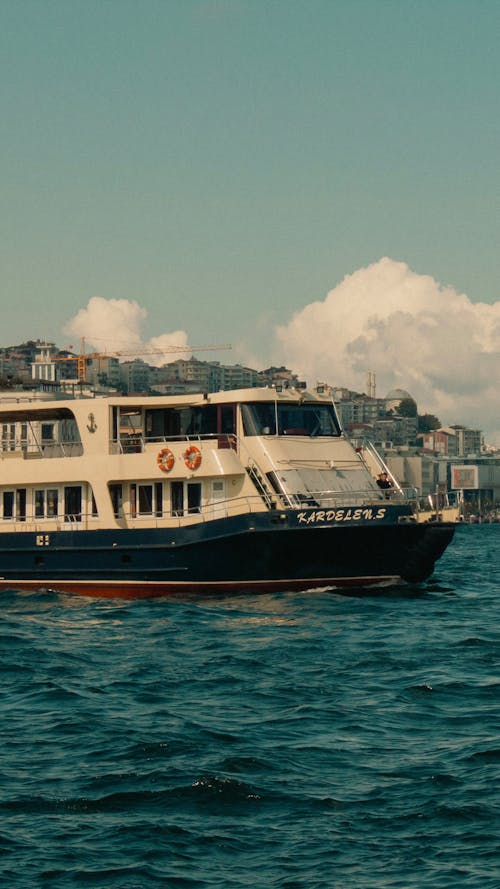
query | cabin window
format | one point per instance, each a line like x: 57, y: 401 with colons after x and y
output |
x: 164, y: 423
x: 73, y: 503
x: 14, y: 504
x: 177, y: 498
x: 314, y: 419
x: 47, y: 432
x: 8, y: 504
x: 39, y: 504
x: 158, y: 493
x: 145, y: 499
x: 130, y: 431
x: 227, y: 419
x: 116, y: 494
x: 21, y: 504
x: 194, y: 497
x: 52, y: 503
x: 8, y: 437
x: 46, y: 503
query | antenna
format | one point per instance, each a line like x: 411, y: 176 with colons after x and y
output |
x: 371, y: 384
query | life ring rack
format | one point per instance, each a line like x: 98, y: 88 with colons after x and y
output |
x: 192, y: 457
x: 165, y: 460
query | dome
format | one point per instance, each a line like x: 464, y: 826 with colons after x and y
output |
x: 398, y: 395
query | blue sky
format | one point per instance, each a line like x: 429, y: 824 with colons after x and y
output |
x: 224, y: 163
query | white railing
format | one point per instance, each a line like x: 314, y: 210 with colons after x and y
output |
x: 49, y: 449
x: 138, y: 444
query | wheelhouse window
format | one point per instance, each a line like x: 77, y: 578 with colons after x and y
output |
x: 269, y: 418
x: 181, y: 422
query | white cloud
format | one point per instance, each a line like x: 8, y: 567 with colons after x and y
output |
x: 409, y: 330
x: 412, y: 333
x: 111, y: 325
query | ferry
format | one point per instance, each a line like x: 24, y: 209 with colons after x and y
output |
x: 235, y: 491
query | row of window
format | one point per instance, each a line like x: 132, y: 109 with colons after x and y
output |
x: 46, y: 503
x: 150, y: 500
x: 157, y: 499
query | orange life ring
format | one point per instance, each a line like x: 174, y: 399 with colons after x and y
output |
x: 165, y: 460
x: 192, y: 457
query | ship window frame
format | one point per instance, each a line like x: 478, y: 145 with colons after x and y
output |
x: 52, y: 508
x: 194, y: 492
x: 39, y: 502
x: 46, y: 506
x: 8, y: 437
x: 177, y: 498
x: 116, y: 496
x: 308, y: 418
x: 11, y: 495
x: 144, y: 500
x: 70, y: 492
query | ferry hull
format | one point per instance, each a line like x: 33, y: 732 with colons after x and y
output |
x: 261, y: 552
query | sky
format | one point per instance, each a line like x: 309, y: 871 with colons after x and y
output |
x: 315, y: 182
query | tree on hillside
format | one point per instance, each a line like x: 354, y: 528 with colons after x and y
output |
x: 407, y: 408
x: 428, y: 422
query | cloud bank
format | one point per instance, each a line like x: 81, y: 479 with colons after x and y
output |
x: 412, y: 333
x: 409, y: 330
x: 111, y: 325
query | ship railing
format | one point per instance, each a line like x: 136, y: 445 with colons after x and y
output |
x: 230, y: 507
x: 332, y: 499
x: 137, y: 444
x: 374, y: 461
x: 324, y: 500
x: 48, y: 450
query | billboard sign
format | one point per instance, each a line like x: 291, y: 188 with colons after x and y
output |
x: 465, y: 478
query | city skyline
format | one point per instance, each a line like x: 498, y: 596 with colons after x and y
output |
x: 39, y: 361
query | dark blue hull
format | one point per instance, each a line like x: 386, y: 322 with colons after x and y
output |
x: 262, y: 551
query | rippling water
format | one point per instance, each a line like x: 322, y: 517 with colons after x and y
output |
x: 281, y: 741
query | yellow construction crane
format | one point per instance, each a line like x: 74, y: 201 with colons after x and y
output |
x: 84, y: 356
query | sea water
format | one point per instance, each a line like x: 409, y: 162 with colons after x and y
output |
x: 286, y: 741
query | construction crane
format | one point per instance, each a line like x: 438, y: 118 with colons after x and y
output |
x: 82, y: 357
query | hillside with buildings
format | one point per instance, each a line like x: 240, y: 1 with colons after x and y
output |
x: 419, y: 451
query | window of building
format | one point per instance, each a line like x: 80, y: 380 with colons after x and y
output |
x: 39, y: 504
x: 47, y: 432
